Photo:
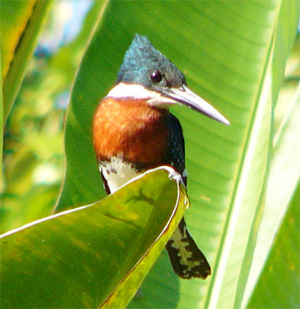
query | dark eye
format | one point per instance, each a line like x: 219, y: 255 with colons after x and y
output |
x: 156, y: 76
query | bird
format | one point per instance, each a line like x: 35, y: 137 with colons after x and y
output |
x: 134, y: 131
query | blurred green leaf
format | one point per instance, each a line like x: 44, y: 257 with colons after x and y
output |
x: 14, y: 18
x: 64, y: 64
x: 283, y: 40
x: 1, y: 126
x: 84, y: 186
x: 21, y: 22
x: 281, y: 272
x: 33, y: 144
x: 78, y: 258
x: 226, y: 50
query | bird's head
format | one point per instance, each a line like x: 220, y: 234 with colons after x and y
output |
x: 147, y: 74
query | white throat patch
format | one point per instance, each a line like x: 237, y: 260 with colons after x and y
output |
x: 137, y: 91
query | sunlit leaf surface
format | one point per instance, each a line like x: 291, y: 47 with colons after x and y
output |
x: 283, y: 176
x: 79, y: 257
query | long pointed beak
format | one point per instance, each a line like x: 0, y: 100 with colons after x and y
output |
x: 185, y: 96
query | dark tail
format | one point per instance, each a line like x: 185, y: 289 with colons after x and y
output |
x: 187, y: 260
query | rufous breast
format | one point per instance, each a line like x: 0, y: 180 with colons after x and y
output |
x: 131, y: 130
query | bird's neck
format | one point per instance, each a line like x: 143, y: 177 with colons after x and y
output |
x: 131, y: 130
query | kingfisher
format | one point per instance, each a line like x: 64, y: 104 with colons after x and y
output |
x: 133, y: 131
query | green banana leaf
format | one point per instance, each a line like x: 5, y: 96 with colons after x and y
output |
x: 95, y: 253
x: 284, y: 172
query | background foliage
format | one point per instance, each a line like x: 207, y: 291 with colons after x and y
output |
x: 242, y: 179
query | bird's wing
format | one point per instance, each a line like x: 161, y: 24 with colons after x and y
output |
x: 176, y: 148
